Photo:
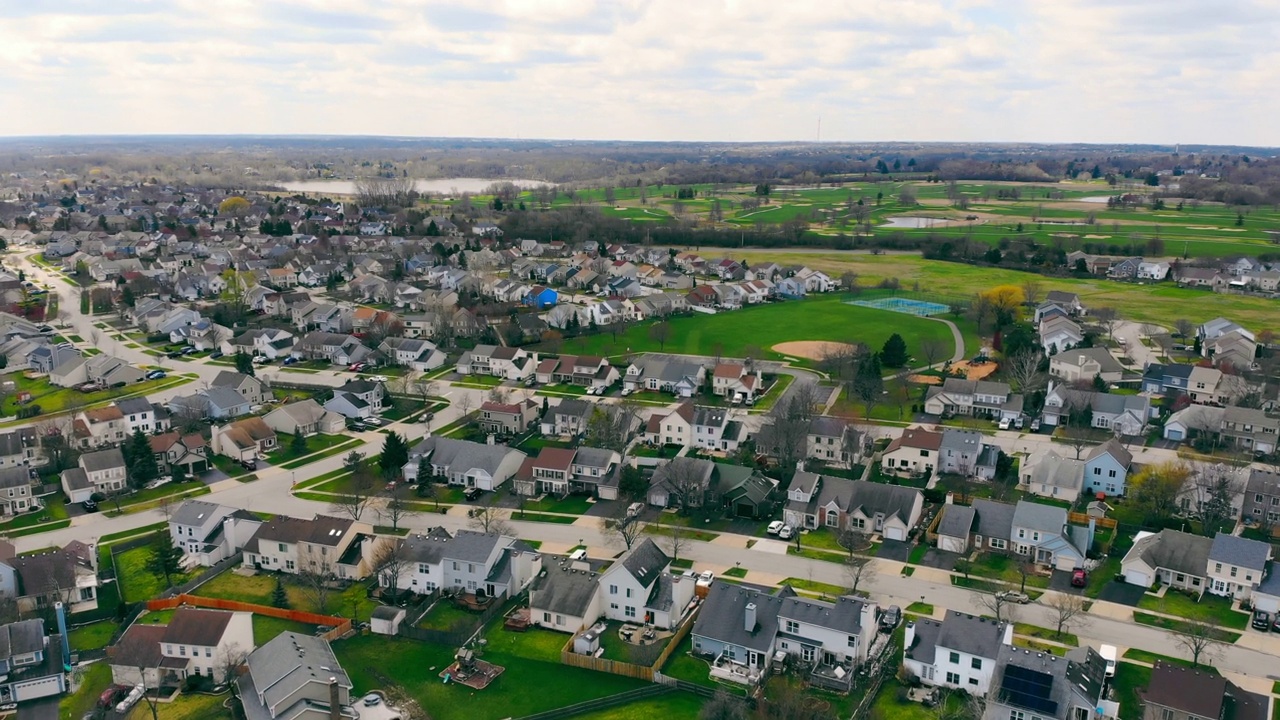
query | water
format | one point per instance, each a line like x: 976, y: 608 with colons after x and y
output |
x: 906, y: 221
x: 437, y: 186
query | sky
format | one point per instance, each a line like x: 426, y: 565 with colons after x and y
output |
x: 1099, y: 71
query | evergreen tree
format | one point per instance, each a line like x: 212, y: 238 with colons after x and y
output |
x: 395, y: 453
x: 279, y: 598
x: 298, y: 445
x: 244, y: 363
x: 165, y: 559
x: 141, y: 462
x: 178, y: 473
x: 894, y: 353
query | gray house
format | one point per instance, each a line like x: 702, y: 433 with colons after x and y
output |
x: 1106, y: 468
x: 297, y: 677
x: 31, y: 663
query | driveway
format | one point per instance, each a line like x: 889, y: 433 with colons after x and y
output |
x: 1122, y: 593
x: 894, y: 550
x: 940, y: 559
x: 1061, y: 581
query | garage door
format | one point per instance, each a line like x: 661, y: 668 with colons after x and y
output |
x: 1173, y: 434
x: 895, y: 533
x: 746, y: 510
x: 1137, y: 577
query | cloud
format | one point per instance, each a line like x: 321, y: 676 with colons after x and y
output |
x: 1066, y: 70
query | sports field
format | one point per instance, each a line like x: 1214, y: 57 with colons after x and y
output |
x: 731, y: 334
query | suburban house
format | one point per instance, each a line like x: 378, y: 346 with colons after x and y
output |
x: 833, y: 441
x: 101, y: 472
x: 978, y: 398
x: 304, y: 418
x: 357, y: 399
x: 568, y: 418
x: 681, y: 378
x: 1034, y: 684
x: 735, y: 381
x: 32, y: 665
x: 100, y: 426
x: 173, y: 449
x: 1262, y: 498
x: 640, y: 588
x: 104, y: 370
x: 15, y: 491
x: 960, y: 652
x: 965, y: 452
x: 1085, y: 364
x: 565, y: 596
x: 483, y: 564
x: 208, y: 532
x: 1236, y: 565
x: 914, y: 452
x: 1181, y: 693
x: 19, y: 447
x: 1042, y: 533
x: 194, y: 643
x: 955, y: 527
x: 696, y: 426
x: 1122, y: 414
x: 1106, y: 468
x: 507, y: 418
x: 741, y: 630
x: 281, y: 681
x: 415, y: 353
x: 41, y: 580
x: 504, y: 362
x: 296, y: 545
x: 248, y: 387
x: 140, y: 414
x: 464, y: 463
x: 1059, y: 333
x: 587, y: 371
x: 1170, y: 557
x: 1054, y: 476
x: 1159, y: 378
x: 562, y: 471
x: 243, y: 440
x: 1249, y: 429
x: 686, y: 482
x: 817, y: 501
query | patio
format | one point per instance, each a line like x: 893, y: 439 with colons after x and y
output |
x: 727, y: 670
x: 467, y: 670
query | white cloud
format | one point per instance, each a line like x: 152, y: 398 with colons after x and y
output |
x: 1060, y: 70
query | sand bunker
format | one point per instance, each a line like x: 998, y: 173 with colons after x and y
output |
x: 810, y: 349
x: 972, y: 372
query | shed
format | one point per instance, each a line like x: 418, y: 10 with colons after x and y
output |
x: 589, y: 642
x: 386, y: 620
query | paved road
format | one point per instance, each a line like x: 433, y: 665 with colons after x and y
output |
x: 1131, y: 333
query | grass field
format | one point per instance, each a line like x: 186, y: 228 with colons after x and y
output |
x: 94, y: 636
x: 674, y: 706
x: 136, y: 581
x: 258, y: 589
x: 94, y: 679
x: 827, y: 317
x: 1210, y: 608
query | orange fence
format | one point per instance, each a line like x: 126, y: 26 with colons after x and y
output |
x: 341, y: 626
x: 1083, y: 519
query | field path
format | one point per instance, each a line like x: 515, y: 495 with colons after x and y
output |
x: 959, y: 340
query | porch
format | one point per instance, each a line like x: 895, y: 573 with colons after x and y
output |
x: 722, y: 668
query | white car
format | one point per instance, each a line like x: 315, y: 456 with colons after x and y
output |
x: 1004, y: 423
x: 786, y: 532
x: 775, y: 527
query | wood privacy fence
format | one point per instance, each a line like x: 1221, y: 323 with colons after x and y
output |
x: 1076, y: 518
x: 626, y: 669
x: 340, y: 625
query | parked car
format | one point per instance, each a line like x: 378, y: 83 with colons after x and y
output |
x: 890, y: 619
x: 89, y: 387
x: 1261, y: 620
x: 261, y: 359
x: 775, y: 527
x: 173, y: 354
x: 250, y: 464
x: 1004, y: 423
x: 1079, y: 578
x: 215, y: 354
x: 786, y: 532
x: 1017, y: 423
x: 371, y: 700
x: 472, y: 493
x: 113, y: 695
x: 189, y: 351
x: 634, y: 509
x: 89, y: 505
x: 291, y: 360
x: 1275, y: 622
x: 373, y: 422
x: 45, y: 329
x: 1014, y: 596
x: 156, y: 374
x: 1035, y: 425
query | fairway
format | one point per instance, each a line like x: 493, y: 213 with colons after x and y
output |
x: 731, y: 333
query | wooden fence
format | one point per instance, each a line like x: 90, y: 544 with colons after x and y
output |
x: 626, y: 669
x: 1076, y: 518
x: 341, y: 626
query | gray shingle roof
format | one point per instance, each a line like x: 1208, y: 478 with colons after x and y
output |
x: 995, y: 519
x: 561, y: 589
x: 463, y: 455
x: 645, y: 562
x: 197, y: 512
x: 957, y: 521
x: 21, y: 638
x: 1035, y: 516
x: 289, y: 662
x: 724, y: 611
x: 974, y: 635
x: 102, y: 460
x: 1242, y: 552
x: 1174, y: 550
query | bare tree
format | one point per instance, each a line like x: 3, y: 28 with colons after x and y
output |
x: 1077, y: 438
x: 489, y: 518
x: 858, y: 572
x: 1109, y: 317
x: 1065, y: 609
x: 398, y: 507
x: 1184, y: 328
x: 360, y: 491
x: 788, y: 434
x: 1023, y: 370
x: 390, y: 564
x: 723, y: 706
x: 1031, y: 289
x: 1212, y: 485
x: 684, y: 480
x: 625, y: 528
x: 463, y: 404
x: 1200, y: 640
x: 231, y: 663
x: 931, y: 349
x: 994, y: 602
x: 660, y: 332
x: 317, y: 580
x: 674, y: 539
x: 132, y: 651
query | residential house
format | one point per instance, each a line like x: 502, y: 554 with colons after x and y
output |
x: 1170, y: 557
x: 978, y: 398
x: 1122, y: 414
x: 1193, y: 421
x: 682, y: 378
x: 565, y: 596
x: 1054, y: 476
x: 1170, y: 378
x: 1106, y: 468
x: 194, y: 643
x: 104, y: 370
x: 914, y: 452
x: 1085, y: 364
x: 507, y: 418
x: 464, y: 463
x: 141, y: 415
x: 1058, y: 334
x: 247, y: 386
x: 1262, y: 498
x: 640, y: 588
x: 965, y: 452
x: 173, y: 449
x: 209, y: 533
x: 99, y: 427
x: 1202, y: 277
x: 414, y: 353
x: 41, y: 580
x: 696, y: 483
x: 1153, y: 270
x: 243, y: 440
x: 483, y: 564
x: 1030, y: 683
x: 223, y: 402
x: 1236, y: 565
x: 1068, y: 301
x: 15, y: 491
x: 281, y: 682
x: 507, y: 363
x: 19, y: 447
x: 817, y: 501
x: 958, y: 653
x: 296, y: 545
x: 1124, y: 269
x: 561, y: 471
x: 955, y: 528
x: 568, y: 418
x: 97, y: 473
x: 1182, y: 693
x: 1041, y: 532
x: 833, y: 441
x: 741, y: 630
x: 735, y: 381
x: 31, y: 662
x: 587, y: 371
x: 357, y: 399
x: 305, y: 418
x: 1249, y: 429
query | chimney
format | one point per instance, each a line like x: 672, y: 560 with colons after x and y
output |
x: 910, y: 637
x: 951, y: 498
x: 61, y: 613
x: 749, y: 619
x: 335, y: 700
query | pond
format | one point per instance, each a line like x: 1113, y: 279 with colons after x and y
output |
x: 915, y: 223
x: 436, y: 185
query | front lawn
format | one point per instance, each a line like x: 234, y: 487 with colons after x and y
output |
x: 187, y: 706
x: 1153, y: 658
x: 1130, y: 678
x: 314, y: 443
x: 93, y: 636
x: 1004, y: 567
x: 815, y: 587
x: 330, y: 451
x: 94, y: 678
x: 1181, y: 626
x: 571, y: 505
x: 53, y: 399
x: 1036, y: 631
x: 1209, y: 609
x: 533, y: 444
x: 137, y: 583
x: 483, y: 381
x: 525, y: 687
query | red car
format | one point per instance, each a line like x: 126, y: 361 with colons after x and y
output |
x: 1079, y: 578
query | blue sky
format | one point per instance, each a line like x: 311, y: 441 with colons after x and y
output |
x: 1191, y: 71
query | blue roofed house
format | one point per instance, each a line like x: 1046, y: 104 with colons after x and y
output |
x: 1106, y: 468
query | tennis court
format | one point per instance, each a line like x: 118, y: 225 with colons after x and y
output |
x: 919, y: 308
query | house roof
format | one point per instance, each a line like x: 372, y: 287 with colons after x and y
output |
x: 723, y: 616
x: 231, y: 379
x: 197, y: 626
x: 289, y: 662
x: 562, y: 588
x: 555, y: 458
x: 957, y: 521
x: 139, y: 646
x: 1056, y: 471
x: 961, y: 632
x: 645, y: 562
x: 1202, y: 694
x: 1173, y: 550
x: 463, y: 455
x: 995, y: 519
x: 1077, y: 357
x: 1036, y: 516
x: 197, y: 512
x: 21, y: 638
x: 916, y: 438
x: 102, y: 460
x: 1113, y: 448
x: 871, y: 498
x: 1242, y: 552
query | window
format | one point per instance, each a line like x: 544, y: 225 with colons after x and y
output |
x: 630, y: 611
x: 628, y: 592
x: 1111, y: 473
x: 1017, y: 715
x: 953, y: 678
x: 955, y: 658
x: 1097, y: 471
x: 999, y: 544
x: 613, y: 606
x: 1217, y: 567
x: 1166, y: 714
x: 281, y: 547
x: 289, y: 565
x: 208, y: 652
x: 792, y: 627
x: 973, y: 681
x: 1233, y: 571
x: 546, y: 617
x: 853, y: 641
x: 424, y: 568
x: 613, y: 589
x: 976, y: 663
x: 833, y: 519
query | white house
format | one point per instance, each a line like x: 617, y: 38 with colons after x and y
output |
x: 195, y: 642
x: 639, y: 588
x: 464, y: 463
x: 483, y: 564
x: 959, y: 653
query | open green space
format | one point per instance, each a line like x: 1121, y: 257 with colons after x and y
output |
x: 93, y: 636
x: 1044, y: 633
x: 1209, y: 608
x: 484, y: 381
x: 525, y: 687
x: 137, y: 583
x: 1181, y: 626
x: 350, y: 602
x: 1005, y: 568
x: 891, y: 704
x: 533, y: 644
x: 53, y: 399
x: 1128, y: 680
x: 447, y: 617
x: 54, y: 509
x: 731, y: 334
x: 313, y: 444
x: 1153, y: 658
x: 335, y: 449
x: 676, y: 705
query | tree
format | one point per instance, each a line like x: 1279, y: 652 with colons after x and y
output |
x: 723, y: 706
x: 231, y: 661
x: 317, y: 580
x: 624, y: 527
x: 1212, y: 484
x: 390, y: 563
x: 1108, y: 317
x: 857, y: 572
x: 360, y: 488
x: 1184, y: 327
x: 996, y: 603
x: 141, y: 461
x: 1005, y: 303
x: 894, y: 353
x: 868, y: 383
x: 488, y: 518
x: 660, y: 332
x: 1065, y: 609
x: 164, y: 559
x: 1024, y: 371
x: 1199, y: 639
x: 1031, y: 289
x: 673, y: 539
x: 244, y: 363
x: 632, y: 484
x: 1157, y: 487
x: 298, y: 444
x: 395, y: 454
x: 931, y: 349
x: 236, y: 207
x: 398, y: 506
x: 279, y: 598
x: 788, y: 434
x: 139, y: 648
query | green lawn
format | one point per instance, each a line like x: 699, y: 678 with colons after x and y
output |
x: 1153, y: 658
x: 1128, y: 680
x: 446, y: 616
x: 544, y: 517
x: 525, y: 687
x: 534, y: 444
x: 1004, y: 567
x: 731, y: 333
x: 533, y: 644
x: 1210, y: 608
x: 329, y: 451
x: 266, y: 627
x: 137, y: 583
x: 1180, y: 626
x: 53, y: 399
x: 813, y: 586
x: 94, y: 679
x: 351, y: 602
x: 94, y: 636
x: 314, y: 443
x: 55, y: 509
x: 484, y: 381
x: 922, y: 608
x: 572, y: 505
x: 1044, y: 633
x: 673, y: 706
x: 890, y: 706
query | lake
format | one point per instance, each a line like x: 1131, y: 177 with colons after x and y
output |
x: 916, y: 223
x: 437, y: 186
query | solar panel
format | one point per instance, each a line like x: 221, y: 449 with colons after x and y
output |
x: 1028, y: 688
